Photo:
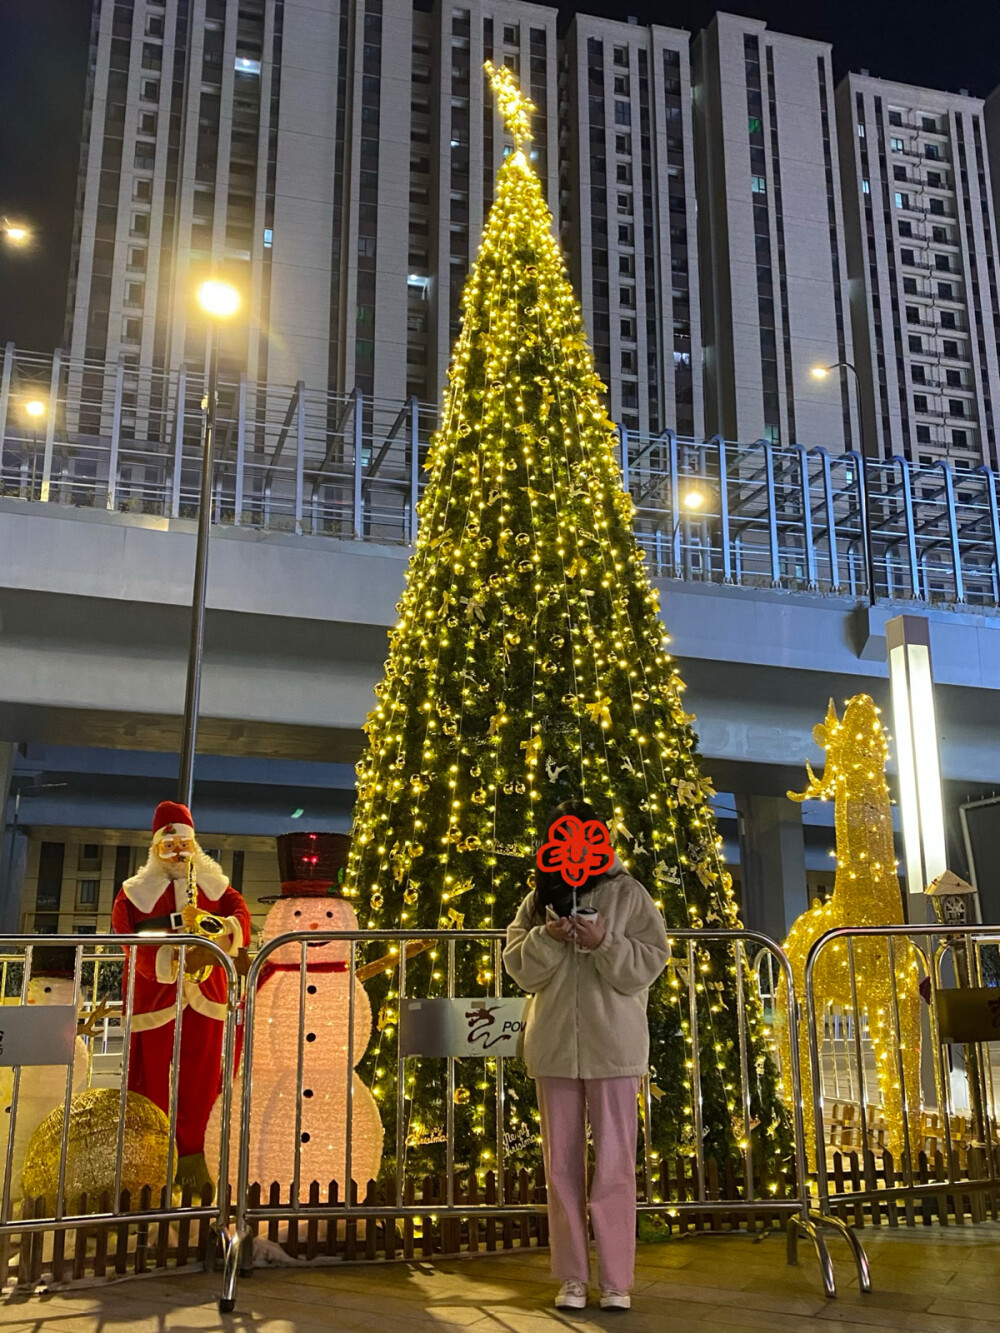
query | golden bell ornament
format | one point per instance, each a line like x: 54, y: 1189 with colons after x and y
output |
x: 91, y: 1148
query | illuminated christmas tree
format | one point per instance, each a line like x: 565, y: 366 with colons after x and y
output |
x: 529, y: 665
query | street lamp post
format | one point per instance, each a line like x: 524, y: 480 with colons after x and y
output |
x: 821, y: 373
x: 219, y: 301
x: 34, y: 410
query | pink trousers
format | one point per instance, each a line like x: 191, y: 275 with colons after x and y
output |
x: 612, y: 1107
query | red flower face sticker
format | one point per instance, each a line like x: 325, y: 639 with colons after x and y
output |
x: 577, y: 849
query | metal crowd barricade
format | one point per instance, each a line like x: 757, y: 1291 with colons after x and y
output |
x: 960, y: 1016
x: 19, y: 951
x: 724, y: 1197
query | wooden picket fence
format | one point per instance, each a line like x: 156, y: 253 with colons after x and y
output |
x: 856, y: 1173
x: 322, y: 1232
x: 106, y: 1250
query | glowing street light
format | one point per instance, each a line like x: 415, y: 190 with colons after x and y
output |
x: 34, y: 408
x: 822, y: 373
x: 693, y: 499
x: 14, y: 232
x: 220, y: 301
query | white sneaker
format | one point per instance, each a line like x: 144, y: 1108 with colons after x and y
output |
x: 615, y: 1300
x: 572, y: 1296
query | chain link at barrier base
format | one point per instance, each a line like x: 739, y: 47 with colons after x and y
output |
x: 403, y: 1215
x: 95, y: 1163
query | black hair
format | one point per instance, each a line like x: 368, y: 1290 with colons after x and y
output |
x: 551, y: 890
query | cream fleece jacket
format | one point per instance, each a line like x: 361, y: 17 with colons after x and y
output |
x: 587, y: 1015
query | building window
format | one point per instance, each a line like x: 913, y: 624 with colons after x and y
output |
x: 942, y: 263
x: 621, y: 56
x: 953, y: 378
x: 626, y: 268
x: 140, y: 224
x: 937, y: 207
x: 916, y: 345
x: 929, y: 124
x: 142, y: 190
x: 758, y: 185
x: 132, y: 330
x: 950, y: 347
x: 134, y: 293
x: 154, y: 25
x: 625, y: 233
x: 920, y: 402
x: 960, y: 438
x: 934, y: 180
x: 623, y: 144
x: 626, y: 296
x: 245, y: 65
x: 899, y: 173
x: 510, y: 34
x: 906, y: 257
x: 902, y: 200
x: 932, y: 152
x: 909, y: 286
x: 895, y: 145
x: 627, y: 329
x: 623, y: 113
x: 861, y: 131
x: 923, y: 435
x: 948, y: 320
x: 956, y: 407
x: 137, y: 258
x: 268, y: 238
x: 940, y: 235
x: 624, y: 203
x: 621, y: 85
x: 918, y: 374
x: 865, y: 187
x: 149, y: 90
x: 87, y: 893
x: 147, y: 123
x: 895, y: 118
x: 912, y: 314
x: 623, y: 173
x: 946, y: 291
x: 905, y: 227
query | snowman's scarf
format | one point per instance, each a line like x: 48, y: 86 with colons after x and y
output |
x: 268, y: 971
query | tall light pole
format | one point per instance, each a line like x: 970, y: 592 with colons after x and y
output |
x: 34, y: 410
x: 219, y: 301
x: 821, y: 373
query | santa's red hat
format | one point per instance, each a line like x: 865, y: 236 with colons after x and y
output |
x: 172, y: 820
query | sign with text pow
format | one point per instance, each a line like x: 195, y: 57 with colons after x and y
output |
x: 475, y: 1028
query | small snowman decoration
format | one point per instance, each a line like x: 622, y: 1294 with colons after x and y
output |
x: 42, y: 1087
x: 308, y: 902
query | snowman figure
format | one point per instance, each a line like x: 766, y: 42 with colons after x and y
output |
x: 306, y: 905
x: 42, y: 1087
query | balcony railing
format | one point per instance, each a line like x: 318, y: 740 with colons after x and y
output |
x: 294, y: 459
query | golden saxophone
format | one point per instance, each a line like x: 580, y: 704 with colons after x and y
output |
x: 206, y: 923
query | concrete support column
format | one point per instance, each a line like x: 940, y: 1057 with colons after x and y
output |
x: 13, y: 845
x: 773, y: 861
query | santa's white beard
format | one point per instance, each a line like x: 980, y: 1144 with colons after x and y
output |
x: 174, y: 869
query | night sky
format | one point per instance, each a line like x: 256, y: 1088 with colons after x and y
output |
x: 43, y: 64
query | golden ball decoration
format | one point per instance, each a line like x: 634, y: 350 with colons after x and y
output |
x: 91, y: 1148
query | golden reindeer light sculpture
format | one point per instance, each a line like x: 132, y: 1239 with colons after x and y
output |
x: 866, y: 893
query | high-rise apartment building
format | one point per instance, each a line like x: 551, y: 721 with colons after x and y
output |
x: 922, y: 255
x: 457, y: 145
x: 774, y: 269
x: 729, y: 222
x: 630, y: 227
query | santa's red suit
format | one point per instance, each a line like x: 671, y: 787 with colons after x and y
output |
x: 153, y: 899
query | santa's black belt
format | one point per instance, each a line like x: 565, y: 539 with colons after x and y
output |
x: 174, y: 921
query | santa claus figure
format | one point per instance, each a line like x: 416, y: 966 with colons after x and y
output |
x: 157, y: 899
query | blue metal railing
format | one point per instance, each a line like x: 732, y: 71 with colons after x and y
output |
x: 290, y: 458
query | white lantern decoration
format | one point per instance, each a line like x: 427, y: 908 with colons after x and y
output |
x: 326, y: 1070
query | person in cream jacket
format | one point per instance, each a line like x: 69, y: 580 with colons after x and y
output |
x: 586, y: 1045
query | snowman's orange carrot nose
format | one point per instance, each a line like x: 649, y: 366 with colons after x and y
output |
x: 314, y: 925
